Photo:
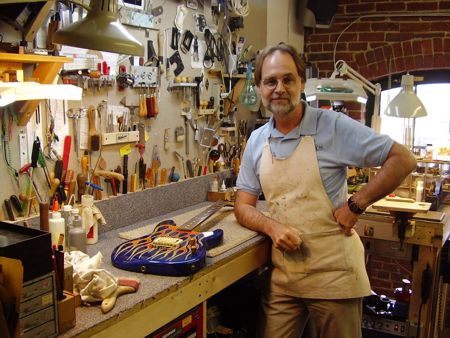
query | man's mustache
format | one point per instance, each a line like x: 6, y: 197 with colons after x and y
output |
x: 280, y: 97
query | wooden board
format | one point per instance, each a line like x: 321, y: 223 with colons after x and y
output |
x: 401, y: 204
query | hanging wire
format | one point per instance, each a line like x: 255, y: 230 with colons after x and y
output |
x: 383, y: 15
x: 7, y: 122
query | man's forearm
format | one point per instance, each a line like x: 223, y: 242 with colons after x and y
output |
x: 250, y: 217
x: 397, y: 166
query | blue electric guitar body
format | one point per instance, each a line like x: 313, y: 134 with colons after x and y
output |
x: 170, y: 250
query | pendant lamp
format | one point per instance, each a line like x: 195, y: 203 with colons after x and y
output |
x: 100, y: 30
x: 406, y: 104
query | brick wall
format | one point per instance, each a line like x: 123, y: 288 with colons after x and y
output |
x: 386, y: 274
x: 380, y: 39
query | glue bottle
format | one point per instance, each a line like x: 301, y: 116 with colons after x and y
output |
x: 77, y: 234
x: 66, y: 213
x: 56, y: 228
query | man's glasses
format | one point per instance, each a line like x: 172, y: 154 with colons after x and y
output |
x: 288, y: 81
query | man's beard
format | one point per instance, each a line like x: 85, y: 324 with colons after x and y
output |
x: 282, y: 110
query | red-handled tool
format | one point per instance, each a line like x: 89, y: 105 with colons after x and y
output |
x: 66, y: 155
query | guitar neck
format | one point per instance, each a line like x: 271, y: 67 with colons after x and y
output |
x: 203, y: 216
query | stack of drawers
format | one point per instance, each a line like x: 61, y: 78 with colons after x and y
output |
x: 38, y: 308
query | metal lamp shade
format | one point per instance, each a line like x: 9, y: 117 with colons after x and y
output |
x: 406, y: 104
x: 100, y: 30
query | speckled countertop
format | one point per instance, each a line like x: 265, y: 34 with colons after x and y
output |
x: 152, y: 287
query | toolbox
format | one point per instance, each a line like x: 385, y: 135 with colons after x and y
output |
x: 31, y: 246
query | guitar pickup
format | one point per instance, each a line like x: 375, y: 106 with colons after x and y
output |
x: 166, y: 242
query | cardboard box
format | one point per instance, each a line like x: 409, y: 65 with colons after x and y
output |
x: 66, y: 312
x: 68, y: 277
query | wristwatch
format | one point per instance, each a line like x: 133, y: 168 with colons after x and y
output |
x: 354, y: 207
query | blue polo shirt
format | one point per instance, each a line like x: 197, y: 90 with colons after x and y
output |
x: 340, y: 142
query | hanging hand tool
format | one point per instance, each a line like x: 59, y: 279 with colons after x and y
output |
x: 26, y: 170
x: 152, y: 59
x: 41, y: 161
x: 171, y: 175
x: 75, y: 117
x: 84, y: 164
x: 66, y: 155
x: 96, y: 191
x: 125, y: 174
x: 156, y: 163
x: 163, y: 176
x: 94, y: 137
x: 54, y: 185
x: 186, y: 132
x: 175, y: 38
x: 38, y: 158
x: 195, y: 54
x: 81, y: 180
x: 142, y: 171
x: 149, y: 177
x: 133, y: 180
x: 181, y: 158
x: 176, y: 58
x: 186, y: 42
x: 190, y: 169
x: 110, y: 174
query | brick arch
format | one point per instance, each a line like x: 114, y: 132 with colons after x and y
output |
x: 406, y: 56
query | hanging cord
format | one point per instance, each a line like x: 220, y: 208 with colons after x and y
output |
x: 7, y: 121
x: 383, y: 15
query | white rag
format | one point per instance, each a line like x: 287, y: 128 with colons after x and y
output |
x: 93, y: 284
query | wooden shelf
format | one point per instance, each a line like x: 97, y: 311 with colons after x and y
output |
x: 45, y: 72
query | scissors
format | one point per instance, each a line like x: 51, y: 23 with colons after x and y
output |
x: 224, y: 150
x: 229, y: 152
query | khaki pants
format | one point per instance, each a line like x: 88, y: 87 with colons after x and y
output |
x: 287, y: 317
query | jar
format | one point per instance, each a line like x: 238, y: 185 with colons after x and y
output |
x: 403, y: 294
x: 429, y: 151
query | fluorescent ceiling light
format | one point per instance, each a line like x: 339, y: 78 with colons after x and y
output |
x: 336, y: 89
x: 7, y: 96
x: 22, y: 91
x: 100, y: 30
x: 406, y: 104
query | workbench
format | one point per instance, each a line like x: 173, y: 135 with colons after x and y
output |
x: 428, y: 234
x: 160, y: 299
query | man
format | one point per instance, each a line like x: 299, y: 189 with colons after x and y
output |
x: 299, y: 161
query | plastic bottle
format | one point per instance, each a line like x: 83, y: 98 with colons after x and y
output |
x: 56, y: 227
x: 89, y: 221
x: 215, y: 184
x: 77, y: 234
x: 419, y: 191
x: 66, y: 213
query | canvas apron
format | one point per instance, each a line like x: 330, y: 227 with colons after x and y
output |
x: 329, y: 264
